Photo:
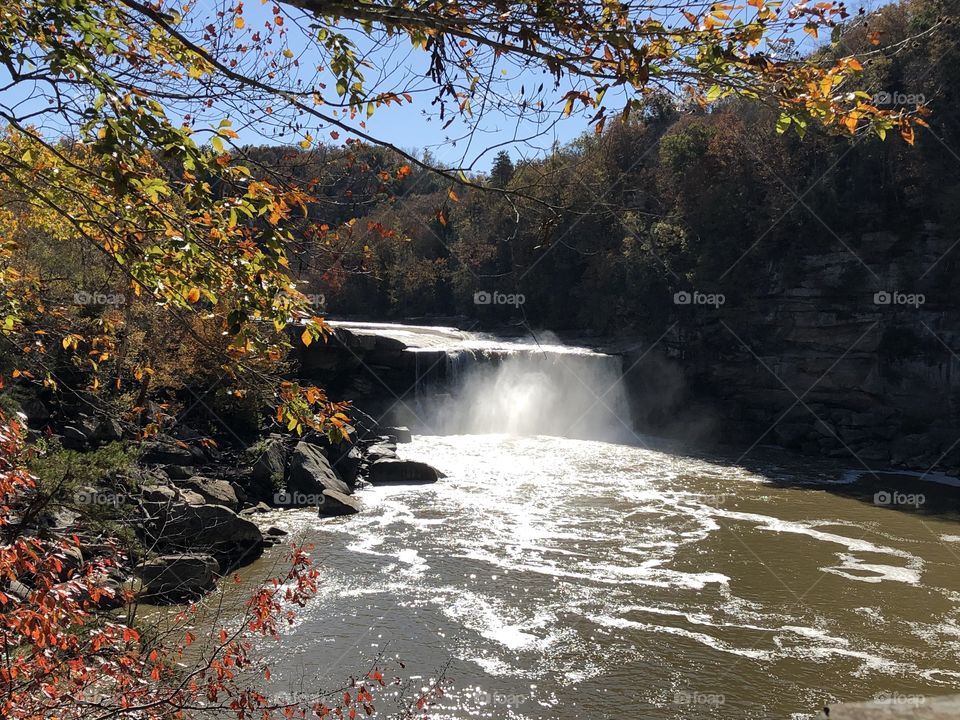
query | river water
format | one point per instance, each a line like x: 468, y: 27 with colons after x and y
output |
x: 553, y: 578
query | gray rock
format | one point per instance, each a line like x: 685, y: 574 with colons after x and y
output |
x: 336, y: 503
x: 178, y: 577
x: 192, y: 497
x: 310, y: 472
x: 258, y: 509
x: 401, y: 471
x: 382, y: 451
x: 215, y: 492
x: 160, y: 494
x: 213, y: 529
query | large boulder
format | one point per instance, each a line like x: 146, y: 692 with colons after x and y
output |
x: 213, y: 529
x: 310, y: 472
x: 215, y: 492
x: 178, y: 577
x: 401, y: 471
x: 333, y: 503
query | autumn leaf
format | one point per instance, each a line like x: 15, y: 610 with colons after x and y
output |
x: 193, y: 295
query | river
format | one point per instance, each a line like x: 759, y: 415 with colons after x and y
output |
x: 558, y: 577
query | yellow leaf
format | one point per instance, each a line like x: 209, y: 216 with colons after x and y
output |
x: 193, y: 295
x: 306, y: 338
x: 238, y: 22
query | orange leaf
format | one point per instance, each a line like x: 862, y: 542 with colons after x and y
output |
x: 193, y: 295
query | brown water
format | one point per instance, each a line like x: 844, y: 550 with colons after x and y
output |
x: 573, y: 579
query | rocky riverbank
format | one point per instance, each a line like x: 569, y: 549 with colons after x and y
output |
x: 176, y: 512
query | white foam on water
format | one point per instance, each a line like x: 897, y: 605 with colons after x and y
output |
x: 702, y: 638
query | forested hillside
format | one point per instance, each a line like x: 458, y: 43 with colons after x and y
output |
x: 601, y: 235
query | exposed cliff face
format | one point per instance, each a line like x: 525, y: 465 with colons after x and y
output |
x: 845, y: 354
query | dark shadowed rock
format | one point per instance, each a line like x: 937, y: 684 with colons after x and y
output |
x: 170, y: 452
x: 178, y: 577
x: 401, y: 471
x: 107, y: 430
x: 345, y: 461
x: 74, y: 438
x: 271, y: 462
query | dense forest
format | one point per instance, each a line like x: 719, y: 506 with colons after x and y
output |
x: 600, y: 235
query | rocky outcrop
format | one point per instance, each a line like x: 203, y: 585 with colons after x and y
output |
x: 820, y: 356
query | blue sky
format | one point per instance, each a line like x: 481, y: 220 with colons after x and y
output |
x: 411, y: 126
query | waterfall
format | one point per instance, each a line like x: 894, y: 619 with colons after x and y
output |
x: 473, y: 383
x: 529, y: 392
